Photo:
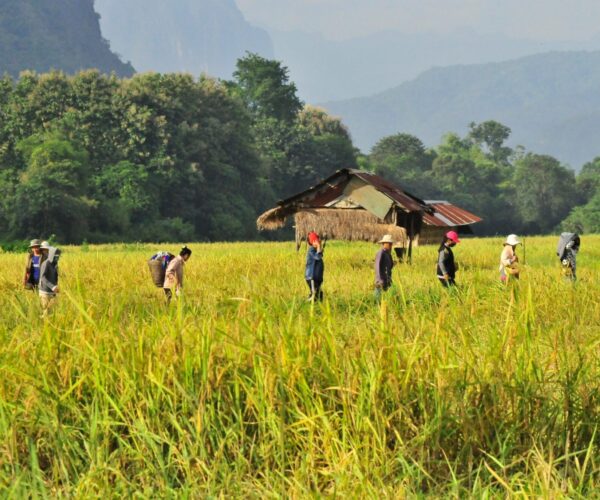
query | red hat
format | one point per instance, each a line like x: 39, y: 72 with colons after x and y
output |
x: 453, y: 236
x: 312, y: 237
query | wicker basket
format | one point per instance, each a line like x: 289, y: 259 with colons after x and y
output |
x: 157, y: 272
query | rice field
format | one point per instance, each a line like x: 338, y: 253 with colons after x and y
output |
x: 243, y: 389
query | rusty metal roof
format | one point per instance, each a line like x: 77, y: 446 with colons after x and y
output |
x: 319, y: 195
x: 448, y: 215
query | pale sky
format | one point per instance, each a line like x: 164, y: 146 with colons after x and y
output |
x: 338, y: 19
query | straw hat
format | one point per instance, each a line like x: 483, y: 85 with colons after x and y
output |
x: 387, y: 239
x: 35, y: 243
x: 512, y: 240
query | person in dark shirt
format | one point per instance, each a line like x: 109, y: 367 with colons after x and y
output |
x: 446, y: 267
x: 383, y: 266
x: 32, y: 268
x: 48, y: 287
x: 315, y: 267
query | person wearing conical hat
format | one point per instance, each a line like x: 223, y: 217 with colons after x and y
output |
x: 34, y: 263
x: 509, y: 261
x: 384, y: 263
x: 315, y: 267
x: 446, y: 266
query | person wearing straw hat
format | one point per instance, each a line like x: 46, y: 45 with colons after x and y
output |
x: 315, y: 267
x: 509, y: 261
x: 384, y: 265
x: 32, y: 268
x: 48, y: 287
x: 446, y: 266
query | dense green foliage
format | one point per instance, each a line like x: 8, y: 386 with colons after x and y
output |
x: 41, y: 35
x: 513, y: 190
x: 167, y: 157
x: 243, y: 390
x: 156, y: 157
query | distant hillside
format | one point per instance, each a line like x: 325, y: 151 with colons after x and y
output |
x: 49, y: 34
x: 327, y: 70
x: 194, y: 36
x: 551, y: 101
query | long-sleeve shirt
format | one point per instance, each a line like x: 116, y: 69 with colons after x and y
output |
x: 507, y: 259
x: 383, y: 269
x: 49, y: 273
x: 445, y: 264
x: 315, y: 267
x: 174, y: 273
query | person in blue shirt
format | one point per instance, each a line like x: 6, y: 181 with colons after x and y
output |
x: 315, y: 267
x: 32, y: 268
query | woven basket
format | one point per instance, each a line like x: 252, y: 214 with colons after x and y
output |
x: 157, y: 272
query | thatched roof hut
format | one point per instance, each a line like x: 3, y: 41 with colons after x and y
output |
x: 356, y: 205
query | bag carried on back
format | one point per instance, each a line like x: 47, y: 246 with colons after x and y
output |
x: 158, y: 264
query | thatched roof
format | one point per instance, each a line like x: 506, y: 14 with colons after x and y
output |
x: 348, y: 225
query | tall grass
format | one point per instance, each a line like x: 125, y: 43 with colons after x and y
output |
x: 242, y: 388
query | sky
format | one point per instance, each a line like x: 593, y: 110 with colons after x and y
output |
x: 550, y: 20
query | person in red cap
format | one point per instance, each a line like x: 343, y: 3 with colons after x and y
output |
x: 446, y: 267
x: 315, y: 267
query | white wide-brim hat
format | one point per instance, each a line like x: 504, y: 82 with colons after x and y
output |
x: 386, y: 239
x: 45, y: 245
x: 512, y: 240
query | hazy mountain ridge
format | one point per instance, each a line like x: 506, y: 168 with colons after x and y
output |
x: 195, y: 36
x: 45, y: 34
x: 549, y: 109
x: 332, y: 70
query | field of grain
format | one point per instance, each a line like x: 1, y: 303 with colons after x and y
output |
x: 241, y: 388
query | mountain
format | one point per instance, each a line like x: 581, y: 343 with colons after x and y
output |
x: 47, y: 34
x: 551, y: 102
x: 327, y: 70
x: 193, y: 36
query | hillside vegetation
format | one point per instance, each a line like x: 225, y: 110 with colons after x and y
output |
x: 243, y: 389
x: 41, y: 35
x: 550, y: 101
x: 195, y: 36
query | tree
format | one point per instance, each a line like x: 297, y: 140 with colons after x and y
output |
x: 545, y: 192
x: 585, y: 218
x: 265, y: 87
x: 491, y: 136
x: 403, y: 159
x: 588, y: 180
x: 50, y: 198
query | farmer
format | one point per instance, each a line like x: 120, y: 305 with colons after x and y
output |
x: 174, y: 274
x: 48, y: 284
x: 509, y: 261
x: 315, y: 267
x: 32, y: 269
x: 383, y: 266
x: 446, y: 267
x: 568, y: 247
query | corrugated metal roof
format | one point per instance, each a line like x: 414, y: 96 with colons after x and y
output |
x: 448, y: 215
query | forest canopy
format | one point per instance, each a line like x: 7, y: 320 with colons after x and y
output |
x: 166, y: 157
